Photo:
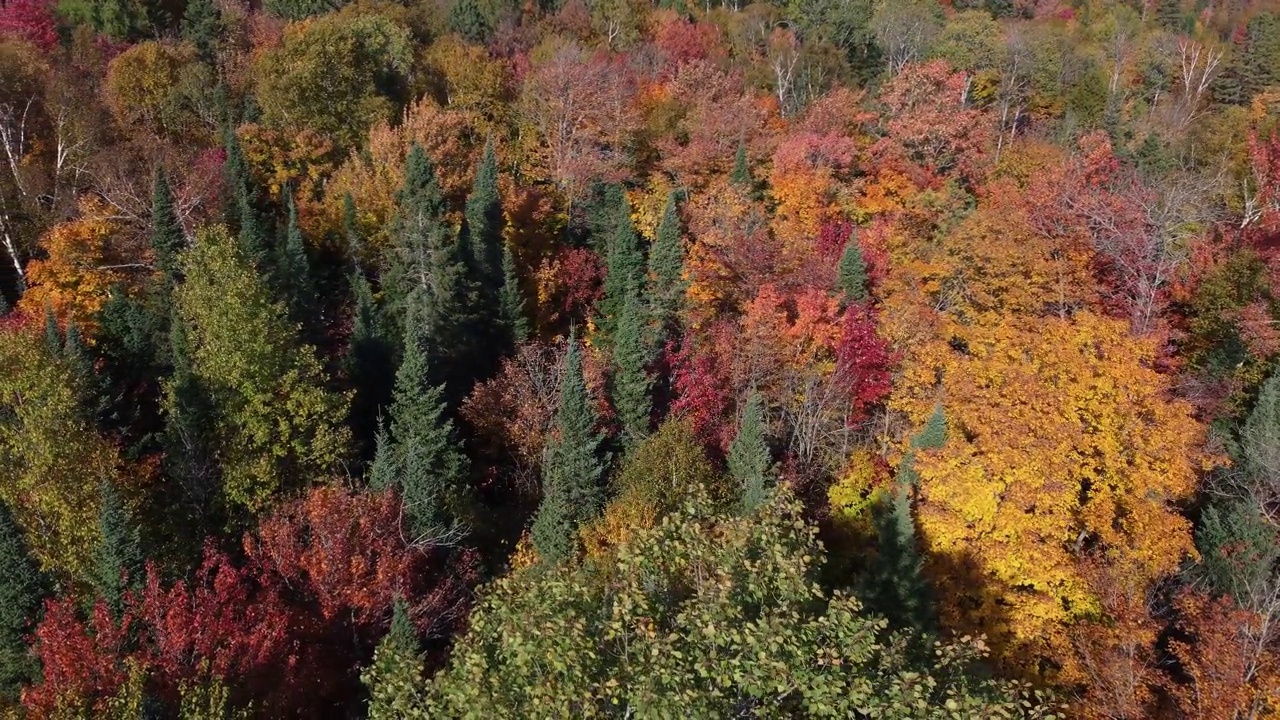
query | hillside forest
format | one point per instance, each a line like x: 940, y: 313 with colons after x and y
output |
x: 640, y: 359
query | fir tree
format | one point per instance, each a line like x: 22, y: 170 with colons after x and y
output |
x: 52, y: 335
x: 749, y: 462
x: 421, y: 456
x: 468, y: 21
x: 188, y: 415
x: 167, y: 238
x: 483, y: 225
x: 624, y: 271
x: 631, y: 383
x: 293, y: 268
x: 118, y: 560
x: 514, y: 319
x: 200, y: 27
x: 572, y: 469
x: 369, y: 364
x: 896, y: 586
x: 741, y: 175
x: 934, y: 433
x: 241, y: 210
x: 667, y: 285
x: 395, y: 678
x: 851, y: 279
x: 22, y: 588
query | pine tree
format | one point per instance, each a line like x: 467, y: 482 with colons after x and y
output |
x: 667, y: 284
x: 851, y: 279
x: 514, y: 319
x: 22, y: 588
x: 572, y: 469
x: 631, y: 383
x: 119, y: 555
x: 421, y: 456
x: 624, y: 273
x: 741, y: 175
x: 167, y: 238
x: 395, y: 679
x: 749, y: 462
x: 468, y: 21
x: 293, y: 267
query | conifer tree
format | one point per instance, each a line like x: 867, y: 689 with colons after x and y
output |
x: 624, y: 270
x: 631, y: 383
x: 395, y: 679
x: 468, y: 20
x: 200, y: 23
x: 667, y: 284
x: 188, y: 415
x: 749, y: 462
x: 851, y: 279
x: 118, y: 561
x: 483, y: 222
x: 293, y: 267
x: 572, y: 469
x: 369, y: 364
x: 241, y: 211
x: 741, y: 175
x: 351, y: 228
x: 421, y: 456
x: 934, y: 433
x: 22, y: 587
x: 514, y: 319
x: 896, y: 586
x: 167, y: 238
x: 52, y: 334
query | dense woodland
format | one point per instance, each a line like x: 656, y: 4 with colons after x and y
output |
x: 581, y: 358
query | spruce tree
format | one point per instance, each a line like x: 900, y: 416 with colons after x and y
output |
x: 241, y: 211
x: 188, y: 415
x: 468, y: 21
x: 741, y: 175
x: 934, y: 433
x: 572, y: 469
x: 200, y: 27
x: 426, y: 270
x: 514, y: 319
x: 167, y: 238
x: 369, y: 365
x: 22, y: 588
x: 632, y: 384
x: 851, y: 279
x: 483, y: 223
x: 749, y: 462
x: 624, y: 271
x: 395, y: 679
x: 421, y: 456
x: 666, y: 270
x: 52, y: 335
x: 293, y: 268
x: 118, y: 560
x: 896, y: 586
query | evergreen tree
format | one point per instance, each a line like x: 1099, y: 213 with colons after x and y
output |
x: 22, y: 588
x: 572, y: 469
x: 52, y: 335
x: 631, y: 383
x: 667, y: 285
x: 369, y: 364
x: 851, y: 279
x: 241, y: 211
x: 118, y: 561
x: 188, y: 415
x: 601, y: 214
x: 1238, y: 548
x: 624, y: 271
x: 87, y: 384
x: 934, y: 433
x: 133, y: 349
x: 512, y: 300
x: 468, y: 20
x: 293, y: 268
x: 483, y: 225
x: 749, y: 462
x: 896, y: 586
x: 167, y: 238
x: 351, y: 228
x: 395, y: 678
x: 741, y: 175
x: 426, y: 273
x: 421, y: 456
x: 201, y: 27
